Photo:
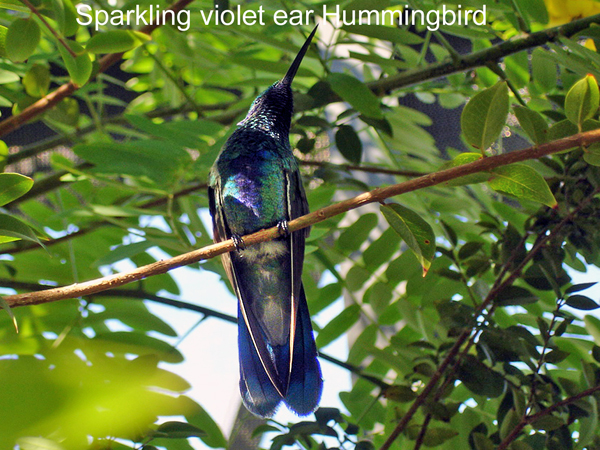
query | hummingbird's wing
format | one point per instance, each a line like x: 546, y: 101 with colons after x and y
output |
x: 304, y: 381
x: 260, y: 384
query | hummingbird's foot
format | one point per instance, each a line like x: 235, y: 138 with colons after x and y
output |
x: 238, y: 242
x: 284, y: 229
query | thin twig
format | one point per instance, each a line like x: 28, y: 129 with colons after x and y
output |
x: 374, y: 196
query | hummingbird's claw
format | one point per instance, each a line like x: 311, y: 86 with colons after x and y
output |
x: 284, y: 229
x: 238, y: 242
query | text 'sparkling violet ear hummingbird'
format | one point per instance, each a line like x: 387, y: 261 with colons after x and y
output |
x: 255, y: 184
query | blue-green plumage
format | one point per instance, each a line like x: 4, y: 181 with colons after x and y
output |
x: 255, y: 184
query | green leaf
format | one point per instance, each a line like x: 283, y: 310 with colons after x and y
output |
x: 38, y: 443
x: 22, y: 38
x: 582, y: 100
x: 13, y: 186
x: 3, y: 31
x: 400, y: 394
x: 533, y: 123
x: 592, y: 325
x: 5, y: 306
x: 213, y: 436
x: 353, y: 236
x: 435, y: 436
x: 37, y: 80
x: 80, y: 67
x: 356, y: 93
x: 522, y: 182
x: 179, y: 430
x: 157, y: 160
x: 480, y: 379
x: 348, y: 143
x: 417, y: 233
x: 515, y: 295
x: 543, y: 69
x: 461, y: 159
x: 580, y: 287
x: 385, y: 33
x: 66, y: 112
x: 548, y: 423
x: 484, y: 117
x: 338, y: 326
x: 122, y: 252
x: 535, y: 9
x: 14, y: 228
x: 582, y: 302
x: 116, y: 41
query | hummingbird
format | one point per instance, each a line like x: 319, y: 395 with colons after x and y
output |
x: 255, y: 184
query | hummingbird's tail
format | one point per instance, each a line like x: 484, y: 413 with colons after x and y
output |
x: 302, y: 391
x: 306, y: 384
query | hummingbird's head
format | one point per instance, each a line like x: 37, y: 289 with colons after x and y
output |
x: 272, y: 110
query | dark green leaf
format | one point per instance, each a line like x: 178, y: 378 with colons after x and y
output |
x: 179, y: 430
x: 580, y: 287
x: 385, y: 33
x: 349, y: 144
x: 15, y: 228
x: 515, y: 295
x: 582, y: 302
x: 480, y: 379
x: 401, y: 394
x: 543, y: 69
x: 356, y: 234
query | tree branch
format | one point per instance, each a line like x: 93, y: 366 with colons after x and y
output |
x: 376, y: 195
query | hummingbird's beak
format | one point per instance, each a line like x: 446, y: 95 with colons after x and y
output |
x: 291, y: 73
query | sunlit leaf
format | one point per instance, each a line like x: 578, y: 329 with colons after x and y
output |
x: 582, y: 100
x: 417, y: 233
x: 22, y: 38
x: 521, y: 181
x: 116, y: 41
x: 484, y: 117
x: 13, y: 186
